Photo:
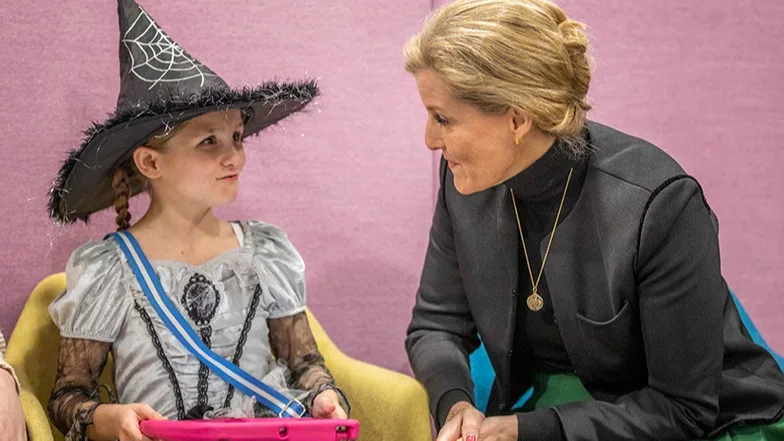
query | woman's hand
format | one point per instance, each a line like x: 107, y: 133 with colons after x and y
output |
x: 503, y: 428
x: 121, y: 421
x: 462, y: 423
x: 327, y: 405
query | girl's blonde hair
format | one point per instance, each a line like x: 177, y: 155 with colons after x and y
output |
x: 502, y: 54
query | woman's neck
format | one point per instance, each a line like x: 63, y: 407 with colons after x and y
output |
x: 543, y: 180
x: 536, y: 144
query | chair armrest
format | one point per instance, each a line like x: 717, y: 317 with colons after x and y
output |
x: 389, y: 405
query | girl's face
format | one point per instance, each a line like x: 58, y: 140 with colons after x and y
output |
x: 201, y: 164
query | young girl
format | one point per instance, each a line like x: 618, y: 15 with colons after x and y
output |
x: 237, y: 286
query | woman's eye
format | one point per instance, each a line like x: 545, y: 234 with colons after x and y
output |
x: 441, y: 120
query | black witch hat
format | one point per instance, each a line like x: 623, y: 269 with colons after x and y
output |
x: 160, y: 86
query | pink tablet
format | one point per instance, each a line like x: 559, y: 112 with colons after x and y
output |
x: 255, y: 429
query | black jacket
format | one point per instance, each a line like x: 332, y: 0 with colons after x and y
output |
x: 635, y: 279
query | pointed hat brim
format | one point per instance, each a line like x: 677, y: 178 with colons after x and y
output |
x: 83, y: 185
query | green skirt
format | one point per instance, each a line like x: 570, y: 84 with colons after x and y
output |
x: 553, y: 389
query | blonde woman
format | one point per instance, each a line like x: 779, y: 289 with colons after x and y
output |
x: 585, y: 259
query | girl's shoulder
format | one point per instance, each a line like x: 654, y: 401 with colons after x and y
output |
x: 278, y: 265
x: 266, y: 239
x: 95, y: 301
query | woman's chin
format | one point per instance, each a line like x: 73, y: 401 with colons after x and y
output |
x: 467, y: 186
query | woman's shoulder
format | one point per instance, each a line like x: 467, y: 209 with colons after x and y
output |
x: 651, y: 185
x: 629, y: 159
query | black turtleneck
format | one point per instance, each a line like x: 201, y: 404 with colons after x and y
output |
x: 538, y: 191
x: 537, y: 340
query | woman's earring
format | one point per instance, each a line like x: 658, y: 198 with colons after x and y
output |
x: 518, y: 141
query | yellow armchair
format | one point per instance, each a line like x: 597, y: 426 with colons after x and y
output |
x: 389, y: 406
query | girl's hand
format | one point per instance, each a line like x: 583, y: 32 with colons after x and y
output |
x: 122, y: 421
x: 327, y: 405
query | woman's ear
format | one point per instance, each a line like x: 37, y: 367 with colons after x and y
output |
x: 520, y: 124
x: 146, y: 161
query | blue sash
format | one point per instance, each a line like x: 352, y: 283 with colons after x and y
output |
x: 171, y: 317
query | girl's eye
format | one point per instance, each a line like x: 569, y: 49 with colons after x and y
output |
x: 237, y: 136
x: 209, y: 140
x: 441, y: 120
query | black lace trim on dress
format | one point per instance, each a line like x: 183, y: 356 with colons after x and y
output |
x: 254, y: 303
x: 162, y: 356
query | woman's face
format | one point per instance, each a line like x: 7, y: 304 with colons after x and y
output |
x: 201, y: 164
x: 479, y: 147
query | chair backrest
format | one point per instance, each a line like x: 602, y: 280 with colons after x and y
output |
x: 34, y: 344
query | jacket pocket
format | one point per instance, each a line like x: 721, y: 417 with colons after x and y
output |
x: 613, y: 349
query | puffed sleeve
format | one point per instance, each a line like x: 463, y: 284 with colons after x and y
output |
x: 95, y: 303
x: 280, y: 269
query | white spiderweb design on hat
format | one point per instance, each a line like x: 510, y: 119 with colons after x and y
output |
x: 163, y: 59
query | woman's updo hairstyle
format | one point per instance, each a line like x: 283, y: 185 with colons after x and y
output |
x: 501, y: 54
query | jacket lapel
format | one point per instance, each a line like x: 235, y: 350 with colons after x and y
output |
x: 575, y: 268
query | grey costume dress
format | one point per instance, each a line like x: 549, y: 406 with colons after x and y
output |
x: 227, y: 301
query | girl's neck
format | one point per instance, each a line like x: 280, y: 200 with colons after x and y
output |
x: 179, y: 220
x: 170, y: 232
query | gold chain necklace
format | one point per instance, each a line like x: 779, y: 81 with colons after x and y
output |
x: 535, y: 301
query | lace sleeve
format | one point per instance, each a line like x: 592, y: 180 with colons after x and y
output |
x: 76, y: 394
x: 292, y: 341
